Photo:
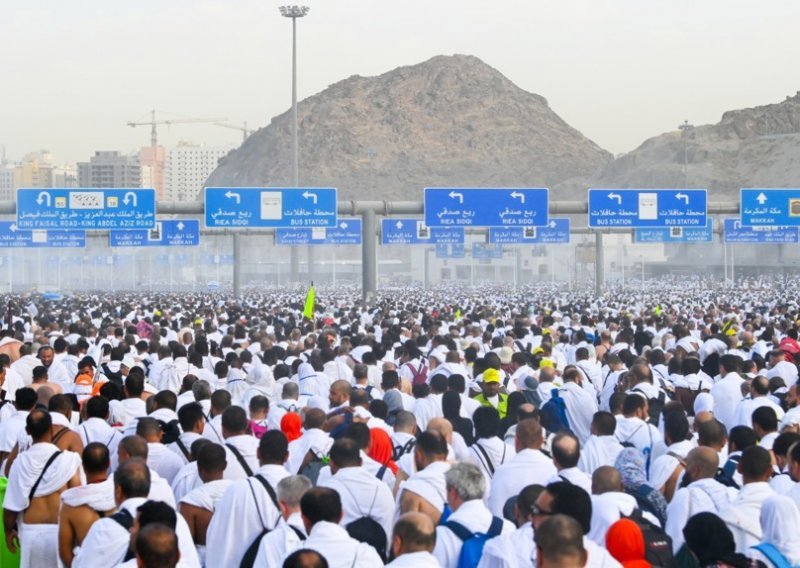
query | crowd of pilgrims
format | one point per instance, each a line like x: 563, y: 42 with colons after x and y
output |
x: 490, y: 427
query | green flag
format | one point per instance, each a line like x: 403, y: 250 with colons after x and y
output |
x: 308, y: 310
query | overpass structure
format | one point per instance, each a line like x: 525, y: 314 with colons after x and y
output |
x: 369, y: 211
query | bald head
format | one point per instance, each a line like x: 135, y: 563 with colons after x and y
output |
x: 443, y: 427
x: 702, y: 463
x: 529, y: 435
x: 132, y: 447
x: 606, y: 479
x: 702, y: 418
x: 566, y: 450
x: 313, y: 418
x: 413, y: 532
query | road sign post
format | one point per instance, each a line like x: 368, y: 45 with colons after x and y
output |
x: 775, y: 207
x: 474, y: 207
x: 675, y: 234
x: 168, y: 233
x: 346, y: 232
x: 13, y: 237
x: 243, y: 207
x: 734, y: 232
x: 556, y: 232
x: 396, y: 231
x: 642, y: 208
x: 90, y: 209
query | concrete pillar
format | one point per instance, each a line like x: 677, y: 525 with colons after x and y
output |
x: 599, y: 262
x: 237, y: 265
x: 369, y: 260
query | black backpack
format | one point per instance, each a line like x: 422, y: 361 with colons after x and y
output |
x: 400, y: 451
x: 641, y: 495
x: 249, y: 558
x: 657, y: 543
x: 369, y: 531
x: 172, y: 431
x: 312, y: 469
x: 655, y: 405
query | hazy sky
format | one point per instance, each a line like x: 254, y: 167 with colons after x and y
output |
x: 72, y: 73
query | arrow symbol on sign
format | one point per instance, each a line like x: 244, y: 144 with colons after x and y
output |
x: 552, y: 224
x: 521, y: 196
x: 342, y: 225
x: 761, y: 198
x: 46, y: 196
x: 456, y: 195
x: 231, y: 195
x: 128, y: 197
x: 399, y: 225
x: 309, y: 195
x: 737, y: 225
x: 181, y: 226
x: 683, y: 197
x: 616, y: 196
x: 13, y: 227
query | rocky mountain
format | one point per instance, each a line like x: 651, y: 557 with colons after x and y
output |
x: 753, y: 147
x: 450, y: 121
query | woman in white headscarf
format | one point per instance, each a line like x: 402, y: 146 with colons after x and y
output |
x: 780, y: 544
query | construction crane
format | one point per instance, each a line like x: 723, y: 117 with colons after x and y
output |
x: 153, y: 123
x: 245, y: 131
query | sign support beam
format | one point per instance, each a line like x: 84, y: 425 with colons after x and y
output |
x: 369, y: 260
x: 599, y: 260
x: 237, y: 266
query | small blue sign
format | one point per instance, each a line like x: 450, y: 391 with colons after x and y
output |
x: 485, y: 250
x: 347, y: 232
x: 240, y: 207
x: 13, y: 237
x: 172, y: 233
x: 775, y: 207
x: 556, y: 232
x: 640, y: 208
x: 450, y: 251
x: 734, y: 232
x: 472, y: 207
x: 676, y: 234
x: 92, y: 209
x: 415, y: 232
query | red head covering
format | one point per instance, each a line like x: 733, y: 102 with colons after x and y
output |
x: 291, y: 425
x: 625, y: 542
x: 380, y: 448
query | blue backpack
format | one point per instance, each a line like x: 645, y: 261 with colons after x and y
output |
x: 473, y: 543
x: 553, y: 414
x: 773, y: 555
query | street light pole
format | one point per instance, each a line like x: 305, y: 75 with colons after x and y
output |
x: 294, y: 12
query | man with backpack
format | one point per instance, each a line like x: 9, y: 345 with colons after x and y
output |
x: 321, y: 508
x: 367, y: 502
x: 249, y: 508
x: 291, y: 532
x: 579, y: 404
x: 412, y: 542
x: 413, y: 366
x: 699, y: 493
x: 460, y: 541
x: 529, y: 466
x: 489, y: 452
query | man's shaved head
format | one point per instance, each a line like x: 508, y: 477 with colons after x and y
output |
x: 443, y: 426
x: 702, y: 462
x: 606, y: 479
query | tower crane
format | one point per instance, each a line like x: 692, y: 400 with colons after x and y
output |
x: 153, y: 123
x: 245, y: 131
